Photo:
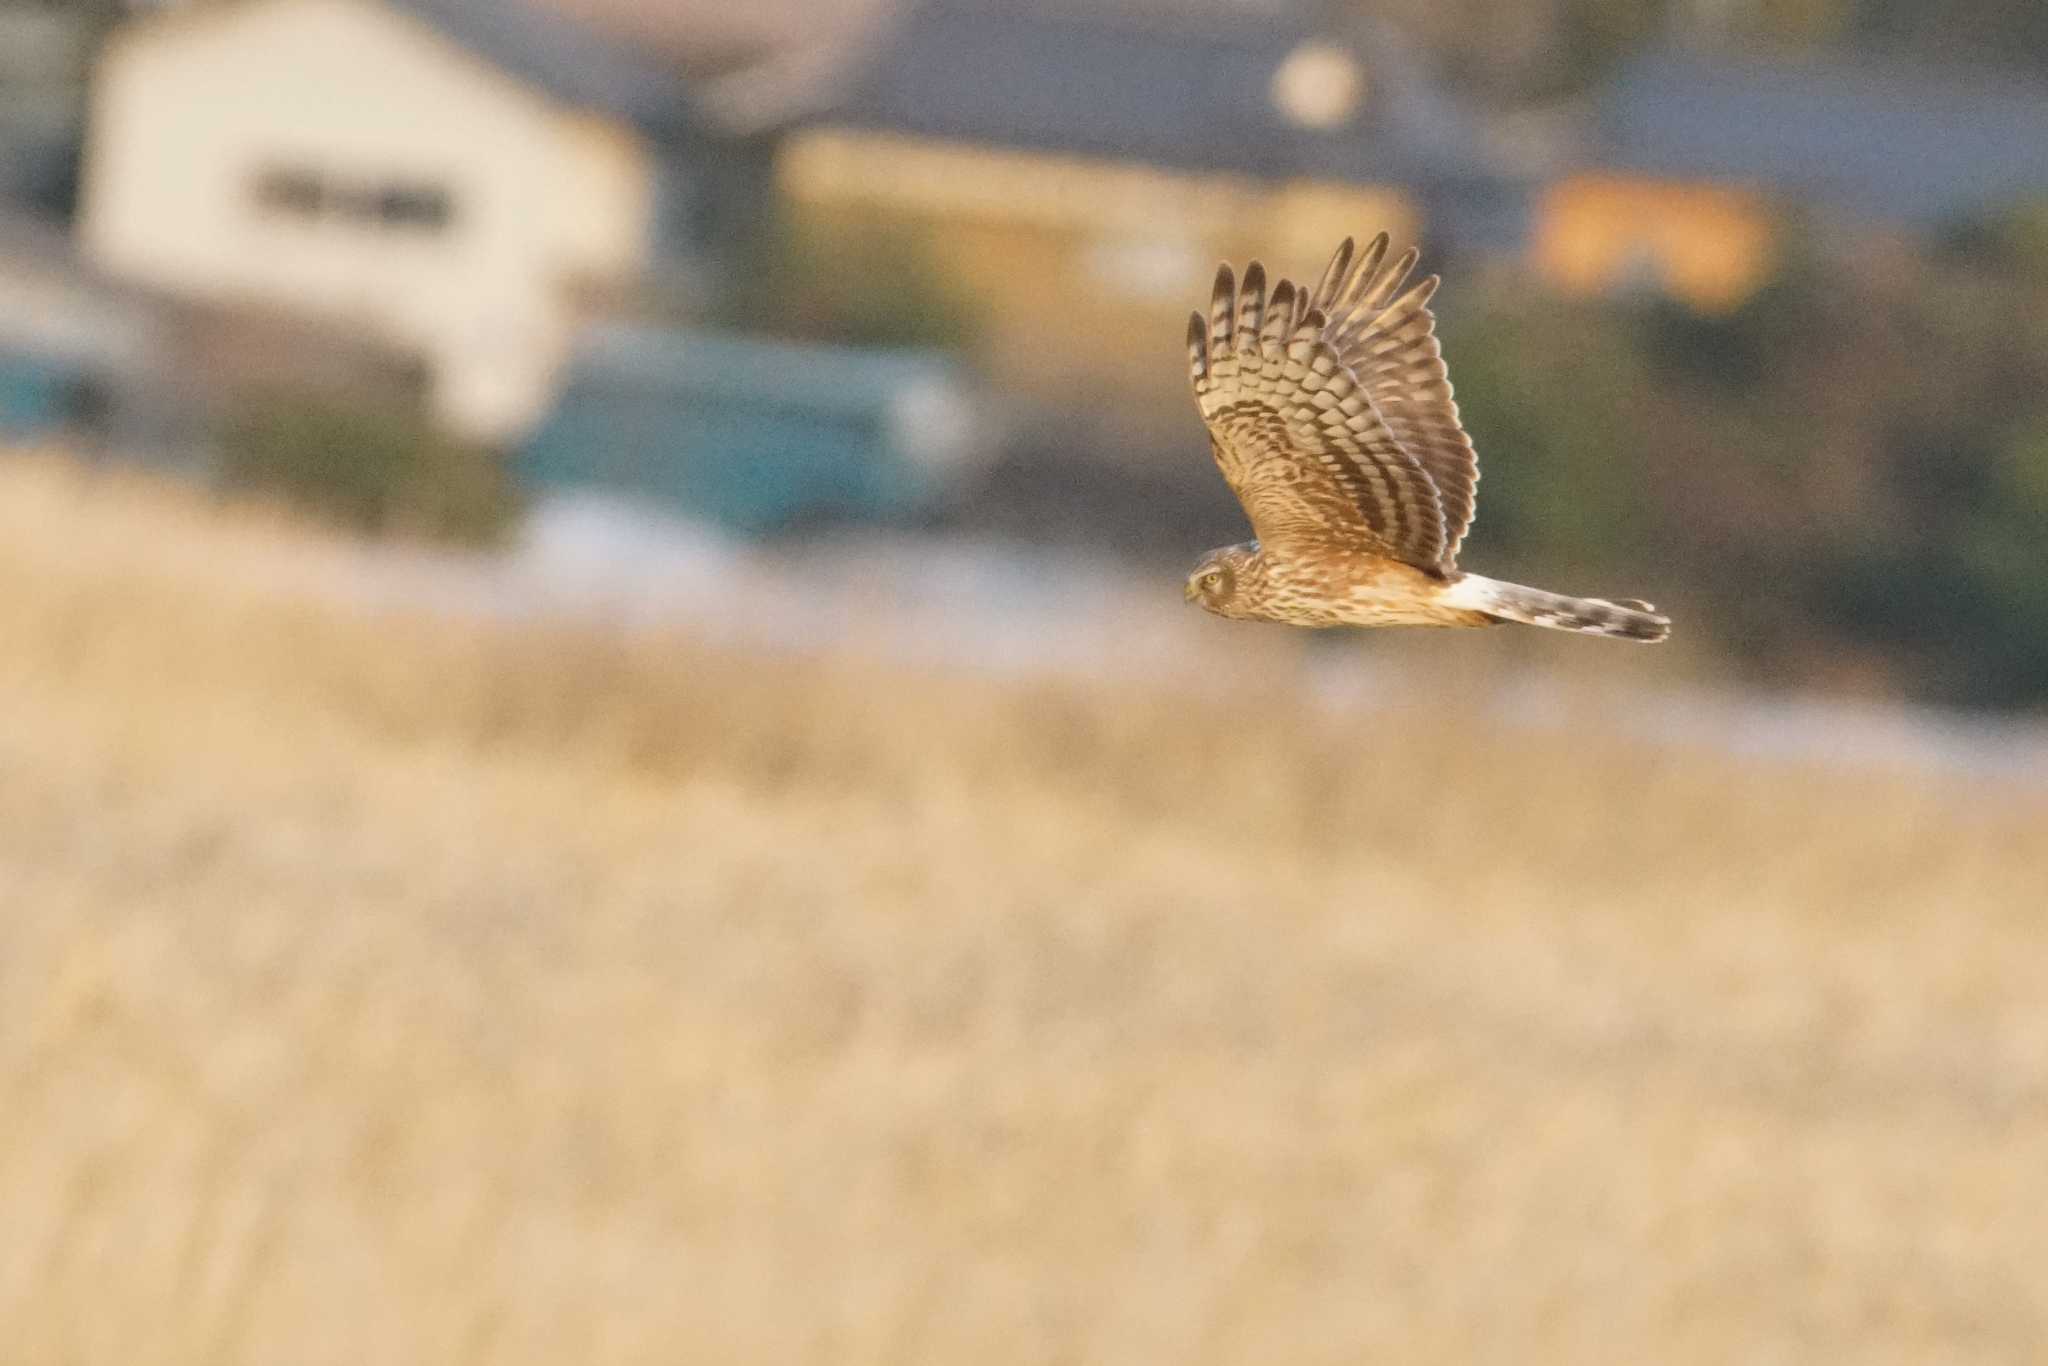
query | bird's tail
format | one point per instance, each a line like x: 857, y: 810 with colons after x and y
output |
x: 1626, y: 619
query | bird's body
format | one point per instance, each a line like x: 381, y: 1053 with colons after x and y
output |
x: 1330, y: 416
x: 1343, y: 588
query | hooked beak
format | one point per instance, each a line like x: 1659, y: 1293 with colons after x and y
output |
x: 1187, y: 591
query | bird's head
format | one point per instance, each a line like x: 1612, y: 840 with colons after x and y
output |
x: 1214, y: 584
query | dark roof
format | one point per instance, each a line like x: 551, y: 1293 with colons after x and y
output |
x: 570, y: 60
x: 1193, y: 93
x: 1875, y: 138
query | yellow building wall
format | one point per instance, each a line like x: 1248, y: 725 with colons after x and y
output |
x: 1081, y: 271
x: 1709, y: 245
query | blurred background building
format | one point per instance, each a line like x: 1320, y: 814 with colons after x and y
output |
x: 458, y: 179
x: 1703, y: 258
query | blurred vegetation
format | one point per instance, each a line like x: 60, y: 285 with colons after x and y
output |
x: 1851, y: 469
x: 424, y: 987
x: 847, y: 282
x: 377, y: 470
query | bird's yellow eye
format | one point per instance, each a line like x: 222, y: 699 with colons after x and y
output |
x: 1213, y: 579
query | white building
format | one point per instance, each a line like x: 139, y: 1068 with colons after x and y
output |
x: 453, y: 191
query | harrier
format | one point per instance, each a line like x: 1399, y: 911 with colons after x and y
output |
x: 1331, y: 417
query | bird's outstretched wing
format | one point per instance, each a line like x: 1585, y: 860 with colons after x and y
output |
x: 1330, y: 412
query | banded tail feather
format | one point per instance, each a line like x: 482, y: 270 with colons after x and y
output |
x: 1623, y: 619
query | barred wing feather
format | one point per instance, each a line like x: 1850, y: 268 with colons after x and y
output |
x: 1330, y: 411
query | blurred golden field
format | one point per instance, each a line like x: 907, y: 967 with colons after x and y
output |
x: 405, y: 989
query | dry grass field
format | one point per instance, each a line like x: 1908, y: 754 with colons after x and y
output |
x: 408, y: 990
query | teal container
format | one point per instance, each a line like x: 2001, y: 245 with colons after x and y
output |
x: 38, y: 395
x: 754, y: 434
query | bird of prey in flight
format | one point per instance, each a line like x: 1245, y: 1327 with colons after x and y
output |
x: 1330, y: 414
